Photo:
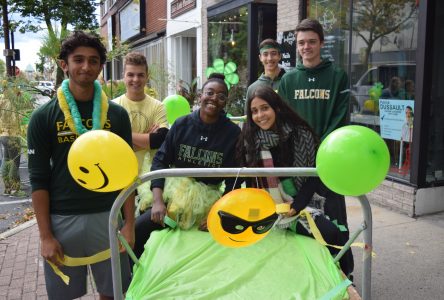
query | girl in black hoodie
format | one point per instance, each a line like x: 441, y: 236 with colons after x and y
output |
x: 205, y: 138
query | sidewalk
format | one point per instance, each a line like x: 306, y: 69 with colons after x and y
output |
x: 409, y: 261
x: 21, y: 266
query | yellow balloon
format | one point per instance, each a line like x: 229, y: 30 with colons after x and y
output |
x: 101, y: 161
x: 370, y: 105
x: 242, y: 217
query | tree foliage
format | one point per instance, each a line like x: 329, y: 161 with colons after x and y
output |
x: 77, y: 13
x: 374, y: 19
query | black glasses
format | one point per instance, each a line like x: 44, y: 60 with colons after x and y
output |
x: 236, y: 225
x: 219, y: 96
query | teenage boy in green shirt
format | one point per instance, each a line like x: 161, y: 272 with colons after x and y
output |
x: 318, y: 91
x: 269, y: 55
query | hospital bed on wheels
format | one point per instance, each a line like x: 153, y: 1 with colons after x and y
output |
x: 365, y: 227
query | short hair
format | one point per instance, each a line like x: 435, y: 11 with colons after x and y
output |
x: 219, y: 78
x: 135, y: 59
x: 82, y: 39
x: 311, y: 25
x: 270, y: 43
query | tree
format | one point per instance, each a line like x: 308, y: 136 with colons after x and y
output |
x: 2, y: 68
x: 77, y: 13
x: 51, y: 48
x: 374, y: 19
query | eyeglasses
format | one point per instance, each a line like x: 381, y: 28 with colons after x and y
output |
x: 219, y: 96
x: 236, y: 225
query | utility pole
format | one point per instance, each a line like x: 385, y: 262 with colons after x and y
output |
x: 8, y: 52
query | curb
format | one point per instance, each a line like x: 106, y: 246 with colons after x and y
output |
x: 17, y: 229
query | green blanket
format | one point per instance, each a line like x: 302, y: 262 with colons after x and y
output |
x: 191, y: 265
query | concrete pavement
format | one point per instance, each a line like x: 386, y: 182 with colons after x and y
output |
x: 409, y: 261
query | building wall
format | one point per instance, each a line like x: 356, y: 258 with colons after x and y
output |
x: 205, y: 5
x: 156, y: 10
x: 288, y: 12
x: 396, y: 196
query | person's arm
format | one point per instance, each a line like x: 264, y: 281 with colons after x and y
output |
x: 127, y: 230
x: 50, y: 247
x: 304, y: 195
x: 39, y: 155
x: 339, y: 113
x: 158, y: 211
x: 164, y: 157
x: 157, y: 133
x: 307, y: 142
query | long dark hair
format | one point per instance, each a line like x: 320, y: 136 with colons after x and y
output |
x: 247, y: 152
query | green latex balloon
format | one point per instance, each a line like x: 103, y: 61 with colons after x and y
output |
x: 209, y: 71
x: 218, y: 65
x: 230, y: 67
x: 176, y: 106
x: 232, y: 78
x: 352, y: 160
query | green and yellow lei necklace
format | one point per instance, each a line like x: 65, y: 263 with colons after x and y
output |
x: 71, y: 112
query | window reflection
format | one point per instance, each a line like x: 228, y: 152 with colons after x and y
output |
x: 383, y: 70
x: 227, y: 40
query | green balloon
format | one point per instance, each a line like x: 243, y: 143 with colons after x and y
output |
x: 176, y: 106
x: 218, y: 65
x: 352, y: 160
x: 232, y: 78
x: 228, y: 84
x: 209, y: 71
x: 230, y: 67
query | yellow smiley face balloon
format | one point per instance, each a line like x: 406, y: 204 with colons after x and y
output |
x: 242, y: 217
x: 101, y: 161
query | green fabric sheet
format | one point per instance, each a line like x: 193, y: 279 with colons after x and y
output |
x: 189, y: 264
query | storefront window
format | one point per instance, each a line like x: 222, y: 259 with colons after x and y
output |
x: 332, y: 15
x: 382, y: 67
x: 435, y: 155
x: 227, y: 40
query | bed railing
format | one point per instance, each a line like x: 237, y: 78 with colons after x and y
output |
x: 365, y: 228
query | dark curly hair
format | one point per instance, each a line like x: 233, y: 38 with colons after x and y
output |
x: 246, y: 145
x: 219, y: 78
x: 82, y: 39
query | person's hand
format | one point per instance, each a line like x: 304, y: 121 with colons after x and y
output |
x: 128, y: 233
x: 52, y: 251
x: 291, y: 213
x: 158, y: 212
x: 203, y: 225
x: 153, y: 128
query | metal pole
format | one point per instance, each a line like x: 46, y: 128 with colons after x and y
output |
x: 4, y: 5
x: 368, y: 248
x: 191, y: 172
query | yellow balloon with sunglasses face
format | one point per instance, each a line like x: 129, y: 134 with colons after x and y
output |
x: 242, y: 217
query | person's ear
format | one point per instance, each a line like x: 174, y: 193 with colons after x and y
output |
x: 63, y: 65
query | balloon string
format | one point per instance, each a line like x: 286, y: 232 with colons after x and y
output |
x: 237, y: 176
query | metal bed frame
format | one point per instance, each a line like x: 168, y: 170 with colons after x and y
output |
x: 365, y: 228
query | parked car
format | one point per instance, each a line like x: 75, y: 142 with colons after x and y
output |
x: 47, y: 87
x: 383, y: 74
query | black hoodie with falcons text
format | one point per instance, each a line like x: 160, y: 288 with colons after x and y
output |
x: 191, y: 143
